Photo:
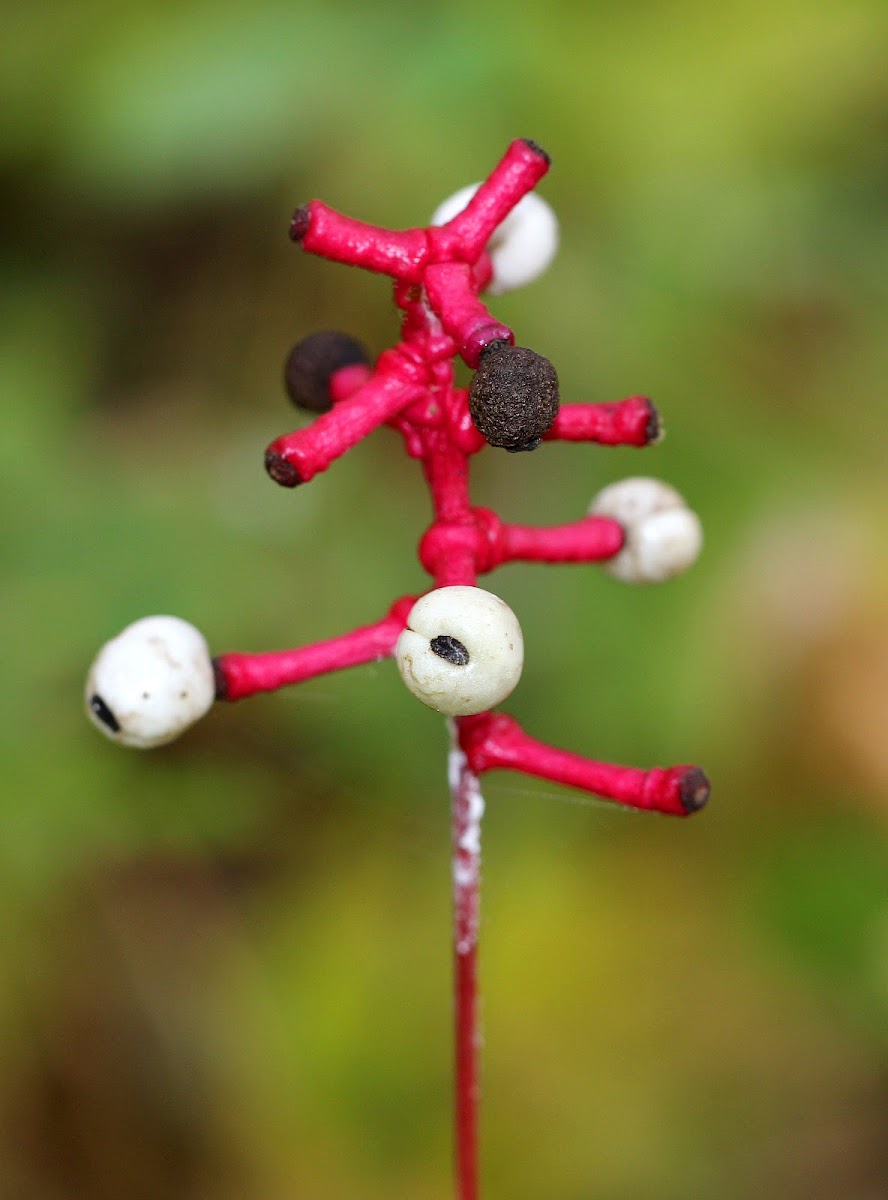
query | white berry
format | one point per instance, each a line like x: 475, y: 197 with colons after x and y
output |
x: 522, y: 246
x: 462, y: 650
x: 151, y: 682
x: 663, y: 535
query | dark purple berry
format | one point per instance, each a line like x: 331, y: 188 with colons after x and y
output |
x: 312, y: 361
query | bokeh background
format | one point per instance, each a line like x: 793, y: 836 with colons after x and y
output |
x: 224, y: 965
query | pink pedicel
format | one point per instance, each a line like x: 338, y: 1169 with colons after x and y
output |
x: 438, y: 273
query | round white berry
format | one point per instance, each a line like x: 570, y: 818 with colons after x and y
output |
x: 151, y: 682
x: 462, y: 650
x: 522, y: 246
x: 663, y: 535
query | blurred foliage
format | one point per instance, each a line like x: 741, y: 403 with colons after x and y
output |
x: 225, y: 967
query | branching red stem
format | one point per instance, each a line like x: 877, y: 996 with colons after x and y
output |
x: 242, y: 675
x: 495, y: 740
x: 439, y: 273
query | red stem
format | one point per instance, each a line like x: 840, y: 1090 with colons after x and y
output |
x: 517, y: 173
x: 241, y: 675
x: 307, y: 452
x: 495, y: 740
x: 630, y: 422
x: 450, y: 288
x: 591, y: 539
x: 330, y: 234
x: 467, y: 807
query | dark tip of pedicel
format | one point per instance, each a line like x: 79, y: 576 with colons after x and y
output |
x: 104, y: 713
x: 493, y: 347
x: 450, y: 649
x: 311, y: 363
x: 280, y: 470
x: 694, y: 790
x: 537, y: 149
x: 219, y: 679
x: 513, y: 397
x: 299, y: 223
x: 653, y: 430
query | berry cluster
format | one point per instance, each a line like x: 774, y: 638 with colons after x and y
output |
x: 458, y: 648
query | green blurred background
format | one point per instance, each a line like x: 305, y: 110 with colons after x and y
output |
x: 225, y: 969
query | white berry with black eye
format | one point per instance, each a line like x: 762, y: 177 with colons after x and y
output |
x: 151, y: 682
x: 521, y: 247
x: 462, y: 650
x: 663, y: 536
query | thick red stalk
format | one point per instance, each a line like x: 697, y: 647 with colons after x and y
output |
x: 480, y: 534
x: 241, y: 675
x: 329, y: 234
x: 494, y: 740
x: 451, y: 288
x: 307, y: 452
x: 518, y: 172
x: 631, y: 422
x: 591, y: 539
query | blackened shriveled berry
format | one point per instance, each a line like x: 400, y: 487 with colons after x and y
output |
x: 513, y: 397
x: 312, y: 361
